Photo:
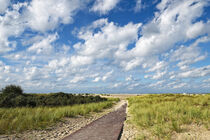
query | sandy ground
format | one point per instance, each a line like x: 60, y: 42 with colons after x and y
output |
x: 129, y: 131
x: 192, y: 132
x: 120, y: 96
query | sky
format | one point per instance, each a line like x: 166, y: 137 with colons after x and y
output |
x: 105, y: 46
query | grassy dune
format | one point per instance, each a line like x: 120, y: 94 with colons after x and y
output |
x: 161, y: 115
x: 26, y: 118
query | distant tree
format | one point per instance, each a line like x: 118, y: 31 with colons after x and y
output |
x: 12, y: 90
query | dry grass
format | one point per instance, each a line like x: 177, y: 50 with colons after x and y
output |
x: 163, y: 115
x: 14, y: 120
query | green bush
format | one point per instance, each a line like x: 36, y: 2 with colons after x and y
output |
x: 12, y: 89
x: 13, y: 97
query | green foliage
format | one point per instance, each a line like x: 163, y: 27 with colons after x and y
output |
x: 164, y: 114
x: 52, y: 99
x: 12, y: 96
x: 12, y: 90
x: 14, y: 120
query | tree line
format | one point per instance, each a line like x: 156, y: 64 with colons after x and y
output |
x: 13, y: 96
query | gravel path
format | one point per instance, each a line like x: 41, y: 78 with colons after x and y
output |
x: 108, y: 127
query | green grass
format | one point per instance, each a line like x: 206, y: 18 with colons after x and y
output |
x: 14, y: 120
x: 161, y: 115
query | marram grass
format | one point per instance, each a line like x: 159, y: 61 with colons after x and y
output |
x: 164, y: 114
x: 14, y: 120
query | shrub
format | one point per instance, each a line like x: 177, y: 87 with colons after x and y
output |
x: 12, y: 89
x: 13, y: 97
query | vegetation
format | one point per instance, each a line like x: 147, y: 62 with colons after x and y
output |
x: 161, y: 115
x: 12, y: 90
x: 20, y: 111
x: 13, y: 96
x: 27, y: 118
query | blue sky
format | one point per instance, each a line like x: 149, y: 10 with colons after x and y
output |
x: 105, y: 46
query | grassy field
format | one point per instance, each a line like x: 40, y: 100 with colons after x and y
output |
x: 20, y: 119
x: 162, y: 115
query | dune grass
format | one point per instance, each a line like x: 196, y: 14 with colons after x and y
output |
x: 14, y: 120
x: 161, y: 115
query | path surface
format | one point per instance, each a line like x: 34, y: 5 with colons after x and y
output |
x: 108, y: 127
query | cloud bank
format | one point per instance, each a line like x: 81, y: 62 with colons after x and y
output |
x: 168, y: 53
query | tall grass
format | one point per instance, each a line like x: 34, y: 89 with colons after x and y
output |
x: 163, y: 114
x: 25, y: 118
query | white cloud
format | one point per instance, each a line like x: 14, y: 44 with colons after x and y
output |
x: 189, y: 55
x: 196, y: 29
x: 195, y: 72
x: 80, y: 60
x: 169, y: 26
x: 206, y: 80
x: 131, y: 64
x: 104, y: 6
x: 33, y: 73
x: 11, y: 24
x: 132, y: 86
x: 107, y: 75
x: 157, y: 84
x: 48, y: 14
x: 37, y: 15
x: 157, y: 75
x: 116, y: 85
x: 114, y: 55
x: 44, y: 46
x: 181, y: 85
x: 97, y: 79
x: 158, y: 66
x: 3, y: 5
x: 104, y: 77
x: 138, y: 6
x: 110, y: 41
x: 164, y: 4
x: 129, y: 78
x: 77, y: 79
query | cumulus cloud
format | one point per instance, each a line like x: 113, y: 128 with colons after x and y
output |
x: 48, y: 14
x: 34, y: 73
x: 157, y: 75
x: 4, y: 4
x: 44, y: 46
x: 195, y: 72
x: 206, y: 80
x: 161, y: 54
x: 104, y: 6
x: 77, y: 79
x: 36, y: 15
x: 195, y: 30
x: 181, y: 85
x: 189, y: 55
x: 169, y: 26
x: 80, y: 60
x: 104, y: 77
x: 158, y: 66
x: 110, y: 41
x: 11, y: 24
x: 129, y: 78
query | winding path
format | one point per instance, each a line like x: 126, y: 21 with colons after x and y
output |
x: 108, y: 127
